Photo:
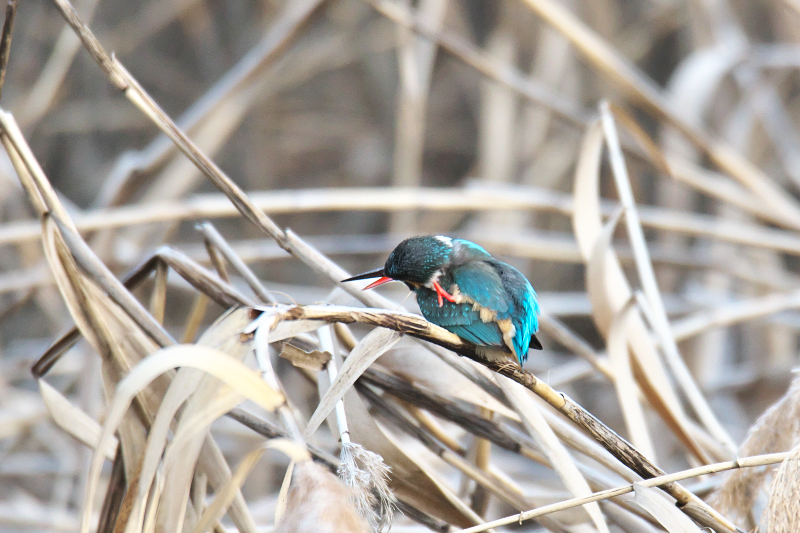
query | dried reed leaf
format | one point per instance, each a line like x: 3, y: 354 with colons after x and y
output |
x: 184, y: 384
x: 70, y: 286
x: 224, y: 335
x: 283, y: 494
x: 117, y: 338
x: 314, y: 360
x: 655, y: 309
x: 587, y: 224
x: 211, y: 361
x: 181, y: 455
x: 600, y: 280
x: 625, y: 385
x: 538, y: 428
x: 371, y: 347
x: 225, y: 495
x: 212, y: 463
x: 209, y: 401
x: 73, y: 420
x: 660, y: 506
x: 695, y: 82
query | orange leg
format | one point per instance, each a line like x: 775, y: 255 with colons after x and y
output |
x: 442, y: 294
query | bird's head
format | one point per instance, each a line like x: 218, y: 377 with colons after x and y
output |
x: 418, y: 261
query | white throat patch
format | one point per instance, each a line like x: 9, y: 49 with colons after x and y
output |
x: 434, y: 279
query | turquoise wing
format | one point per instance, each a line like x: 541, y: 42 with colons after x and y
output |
x: 501, y: 288
x: 461, y: 319
x: 481, y: 282
x: 524, y: 306
x: 492, y: 285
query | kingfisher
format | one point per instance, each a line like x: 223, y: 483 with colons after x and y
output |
x: 464, y: 289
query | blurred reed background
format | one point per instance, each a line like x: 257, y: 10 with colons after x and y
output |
x: 357, y: 123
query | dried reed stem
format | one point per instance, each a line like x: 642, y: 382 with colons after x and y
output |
x: 420, y: 328
x: 744, y: 462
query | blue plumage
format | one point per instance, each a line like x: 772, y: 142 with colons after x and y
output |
x: 462, y: 288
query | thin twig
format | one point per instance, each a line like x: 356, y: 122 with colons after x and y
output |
x: 5, y: 40
x: 745, y: 462
x: 222, y: 245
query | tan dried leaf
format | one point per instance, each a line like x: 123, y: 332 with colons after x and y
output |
x: 314, y: 360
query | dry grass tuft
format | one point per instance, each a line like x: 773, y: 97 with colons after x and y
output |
x: 778, y: 429
x: 368, y: 477
x: 318, y: 503
x: 782, y: 515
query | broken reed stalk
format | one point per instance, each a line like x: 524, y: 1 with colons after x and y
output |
x: 744, y: 462
x: 416, y: 326
x: 420, y: 328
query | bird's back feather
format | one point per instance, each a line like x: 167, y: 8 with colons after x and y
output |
x: 490, y: 294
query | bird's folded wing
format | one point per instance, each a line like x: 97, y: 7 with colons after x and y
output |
x: 462, y: 319
x: 480, y: 282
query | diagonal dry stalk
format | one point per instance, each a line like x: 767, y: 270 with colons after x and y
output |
x: 420, y: 328
x: 465, y: 51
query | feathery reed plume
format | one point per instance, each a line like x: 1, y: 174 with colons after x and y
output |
x: 777, y: 429
x: 782, y: 515
x: 363, y: 471
x: 368, y: 478
x: 319, y: 503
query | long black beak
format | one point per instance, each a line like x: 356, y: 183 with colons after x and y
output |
x: 374, y: 274
x: 366, y: 275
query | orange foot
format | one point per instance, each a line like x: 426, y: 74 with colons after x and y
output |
x: 442, y: 294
